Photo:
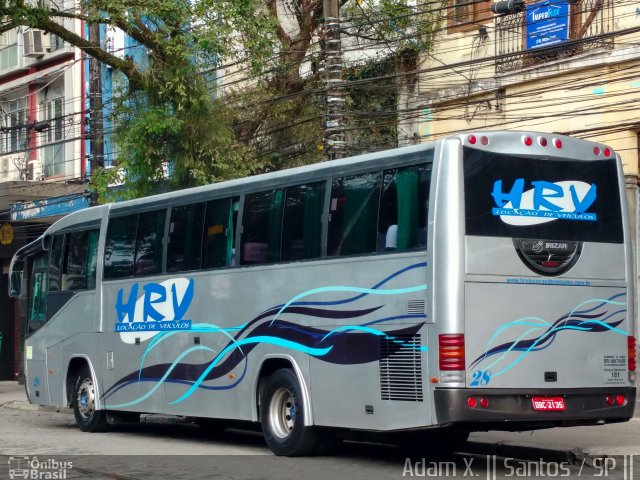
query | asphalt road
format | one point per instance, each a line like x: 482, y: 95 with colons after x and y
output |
x: 49, y: 445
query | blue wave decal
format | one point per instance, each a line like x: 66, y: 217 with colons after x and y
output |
x: 348, y: 345
x: 595, y: 319
x: 316, y: 352
x: 196, y: 327
x: 363, y: 291
x: 362, y: 294
x: 159, y: 383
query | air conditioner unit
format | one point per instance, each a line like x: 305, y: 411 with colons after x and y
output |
x: 35, y: 43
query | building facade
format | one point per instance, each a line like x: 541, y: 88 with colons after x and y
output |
x: 42, y: 152
x: 563, y: 66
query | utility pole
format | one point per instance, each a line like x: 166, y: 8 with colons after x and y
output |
x: 96, y: 132
x: 333, y: 138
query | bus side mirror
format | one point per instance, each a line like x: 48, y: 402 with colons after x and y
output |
x: 15, y: 279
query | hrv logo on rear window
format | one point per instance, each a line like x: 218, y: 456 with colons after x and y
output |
x: 544, y: 202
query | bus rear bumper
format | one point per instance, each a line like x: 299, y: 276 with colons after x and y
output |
x: 506, y: 407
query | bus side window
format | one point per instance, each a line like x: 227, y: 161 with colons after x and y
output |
x: 119, y: 247
x: 55, y: 262
x: 185, y: 238
x: 92, y: 257
x: 38, y: 292
x: 262, y: 227
x: 402, y: 219
x: 353, y: 214
x: 302, y: 223
x: 148, y: 255
x: 79, y: 272
x: 219, y: 233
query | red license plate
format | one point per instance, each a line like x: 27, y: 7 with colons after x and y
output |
x: 548, y: 404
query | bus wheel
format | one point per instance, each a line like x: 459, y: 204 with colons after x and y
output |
x: 281, y: 415
x: 88, y: 418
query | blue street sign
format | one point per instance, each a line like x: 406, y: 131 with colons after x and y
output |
x: 547, y: 23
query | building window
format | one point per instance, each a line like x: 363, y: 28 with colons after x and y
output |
x: 55, y: 43
x: 466, y: 15
x: 14, y: 127
x: 54, y: 147
x: 8, y: 50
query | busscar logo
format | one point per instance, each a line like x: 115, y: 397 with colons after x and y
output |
x: 544, y: 202
x: 38, y: 469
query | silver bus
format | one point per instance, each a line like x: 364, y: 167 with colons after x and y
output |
x: 479, y: 282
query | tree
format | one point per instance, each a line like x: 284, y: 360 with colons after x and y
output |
x: 282, y: 117
x: 164, y: 116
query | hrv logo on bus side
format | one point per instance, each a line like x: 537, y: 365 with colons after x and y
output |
x: 161, y: 307
x: 545, y: 202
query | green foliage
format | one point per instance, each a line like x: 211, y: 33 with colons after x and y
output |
x: 400, y: 24
x: 164, y: 120
x: 372, y: 105
x: 282, y: 130
x: 170, y: 132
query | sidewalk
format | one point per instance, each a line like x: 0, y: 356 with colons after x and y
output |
x: 572, y: 444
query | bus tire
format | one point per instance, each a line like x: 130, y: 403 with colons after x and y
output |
x: 281, y: 416
x: 88, y: 418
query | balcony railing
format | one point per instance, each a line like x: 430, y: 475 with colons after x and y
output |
x: 590, y: 25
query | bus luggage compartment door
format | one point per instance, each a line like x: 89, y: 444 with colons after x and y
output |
x: 545, y: 336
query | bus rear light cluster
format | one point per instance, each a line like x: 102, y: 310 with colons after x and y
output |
x: 620, y: 400
x: 451, y: 351
x: 606, y: 151
x: 631, y: 353
x: 474, y: 402
x: 473, y: 140
x: 542, y: 141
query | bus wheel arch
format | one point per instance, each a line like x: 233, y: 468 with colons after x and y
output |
x: 282, y: 415
x: 83, y: 394
x: 271, y: 365
x: 75, y: 365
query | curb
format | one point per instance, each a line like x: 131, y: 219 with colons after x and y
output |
x: 19, y: 405
x: 525, y: 452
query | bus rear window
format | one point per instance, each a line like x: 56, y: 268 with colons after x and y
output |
x: 508, y: 196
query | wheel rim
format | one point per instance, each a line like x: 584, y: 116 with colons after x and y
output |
x: 86, y: 399
x: 282, y: 412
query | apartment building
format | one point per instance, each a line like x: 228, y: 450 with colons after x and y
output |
x: 42, y: 152
x: 565, y: 66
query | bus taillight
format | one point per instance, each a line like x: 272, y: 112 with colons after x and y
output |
x: 451, y: 351
x: 631, y: 352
